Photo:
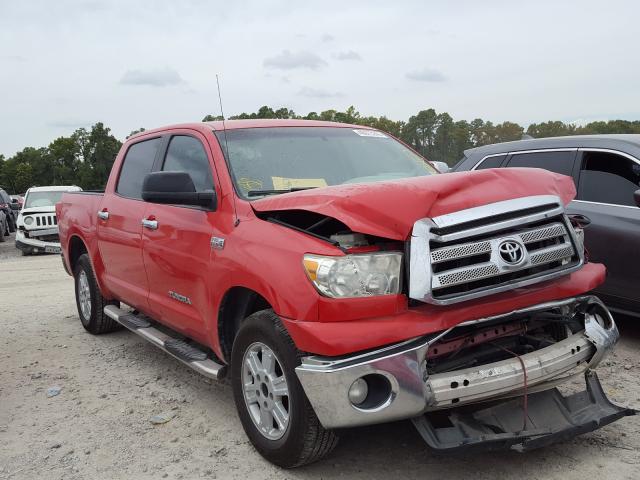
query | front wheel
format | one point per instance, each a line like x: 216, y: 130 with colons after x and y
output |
x: 90, y: 301
x: 273, y: 408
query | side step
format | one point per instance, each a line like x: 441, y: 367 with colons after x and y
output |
x: 186, y: 353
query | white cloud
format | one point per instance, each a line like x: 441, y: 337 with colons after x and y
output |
x: 318, y: 93
x: 348, y: 55
x: 289, y: 61
x: 426, y: 75
x: 154, y: 77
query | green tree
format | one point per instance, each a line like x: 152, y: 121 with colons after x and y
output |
x: 142, y: 129
x: 550, y: 129
x: 420, y: 131
x: 508, y: 132
x: 211, y: 118
x: 23, y: 178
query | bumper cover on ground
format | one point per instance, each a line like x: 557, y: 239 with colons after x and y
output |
x: 551, y: 417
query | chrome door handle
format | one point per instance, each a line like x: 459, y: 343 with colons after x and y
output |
x: 102, y: 215
x: 150, y: 224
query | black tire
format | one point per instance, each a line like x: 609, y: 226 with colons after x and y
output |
x: 97, y: 322
x: 25, y: 252
x: 305, y: 440
x: 4, y: 231
x: 12, y: 224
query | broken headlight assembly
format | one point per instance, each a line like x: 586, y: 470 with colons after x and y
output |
x: 355, y: 275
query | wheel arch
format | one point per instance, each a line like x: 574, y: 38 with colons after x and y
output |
x: 76, y: 247
x: 237, y: 303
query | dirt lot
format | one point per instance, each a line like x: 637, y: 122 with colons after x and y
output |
x: 99, y: 425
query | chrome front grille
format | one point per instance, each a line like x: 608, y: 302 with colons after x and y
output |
x: 490, y: 249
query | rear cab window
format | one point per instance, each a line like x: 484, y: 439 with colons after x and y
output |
x: 137, y: 163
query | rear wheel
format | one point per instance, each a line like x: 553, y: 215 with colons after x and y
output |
x: 273, y: 408
x: 4, y: 230
x: 90, y: 301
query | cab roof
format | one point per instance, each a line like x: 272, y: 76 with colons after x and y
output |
x: 55, y: 188
x: 250, y: 123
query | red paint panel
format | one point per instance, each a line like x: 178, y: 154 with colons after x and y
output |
x: 339, y: 338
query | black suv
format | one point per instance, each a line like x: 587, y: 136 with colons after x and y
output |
x: 606, y: 171
x: 10, y: 209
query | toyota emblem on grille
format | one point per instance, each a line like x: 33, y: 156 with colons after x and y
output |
x: 511, y: 252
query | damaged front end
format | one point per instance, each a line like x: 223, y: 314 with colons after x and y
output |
x: 485, y: 383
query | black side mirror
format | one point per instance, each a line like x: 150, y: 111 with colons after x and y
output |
x: 636, y: 197
x: 175, y: 188
x: 14, y: 205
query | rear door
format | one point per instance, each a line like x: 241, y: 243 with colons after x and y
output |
x: 120, y: 227
x: 606, y: 183
x: 177, y: 242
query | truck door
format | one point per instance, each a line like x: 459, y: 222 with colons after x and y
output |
x: 120, y: 228
x: 177, y: 242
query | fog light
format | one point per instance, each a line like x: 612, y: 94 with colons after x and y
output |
x: 358, y: 391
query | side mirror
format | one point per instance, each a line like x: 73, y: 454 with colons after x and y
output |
x: 14, y: 205
x: 636, y: 197
x: 441, y: 167
x: 175, y: 188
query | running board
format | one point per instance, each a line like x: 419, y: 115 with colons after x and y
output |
x: 181, y: 350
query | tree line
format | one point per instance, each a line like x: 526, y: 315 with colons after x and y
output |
x: 85, y: 157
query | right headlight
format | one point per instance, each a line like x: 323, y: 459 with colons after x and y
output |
x: 355, y: 275
x: 27, y: 220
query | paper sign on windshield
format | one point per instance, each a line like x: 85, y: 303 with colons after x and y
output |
x: 369, y: 133
x: 283, y: 183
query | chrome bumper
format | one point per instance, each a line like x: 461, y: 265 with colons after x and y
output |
x: 326, y: 381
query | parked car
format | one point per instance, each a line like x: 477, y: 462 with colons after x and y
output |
x: 606, y: 172
x: 37, y: 221
x: 340, y: 281
x: 9, y: 208
x: 4, y: 227
x: 19, y: 199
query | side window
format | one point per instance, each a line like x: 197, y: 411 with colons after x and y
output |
x: 138, y: 161
x: 608, y: 178
x: 186, y: 154
x: 491, y: 162
x: 559, y: 162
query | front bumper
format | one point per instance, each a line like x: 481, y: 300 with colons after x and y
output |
x: 34, y: 245
x: 412, y: 391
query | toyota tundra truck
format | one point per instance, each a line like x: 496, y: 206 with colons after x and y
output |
x: 338, y: 280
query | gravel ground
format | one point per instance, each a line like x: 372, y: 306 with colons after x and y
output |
x: 99, y: 425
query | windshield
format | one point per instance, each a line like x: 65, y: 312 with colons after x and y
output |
x: 290, y: 158
x: 42, y: 199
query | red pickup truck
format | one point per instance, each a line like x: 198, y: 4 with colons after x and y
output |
x: 340, y: 280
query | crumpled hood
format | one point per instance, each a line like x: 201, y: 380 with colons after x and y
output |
x: 389, y: 209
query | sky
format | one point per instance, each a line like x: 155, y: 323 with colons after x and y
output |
x: 129, y: 64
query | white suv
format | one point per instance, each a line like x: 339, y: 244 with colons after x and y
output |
x: 37, y: 222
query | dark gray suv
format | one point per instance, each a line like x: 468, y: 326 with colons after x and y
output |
x: 606, y: 171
